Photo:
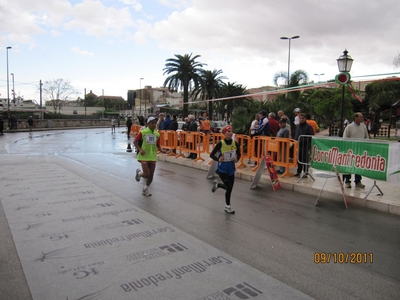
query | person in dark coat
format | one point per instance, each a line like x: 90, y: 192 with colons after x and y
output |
x: 304, y: 144
x: 1, y: 125
x: 166, y: 124
x: 128, y: 125
x: 174, y: 123
x: 192, y: 127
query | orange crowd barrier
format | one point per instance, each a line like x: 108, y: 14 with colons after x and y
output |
x: 245, y: 143
x: 191, y: 142
x: 169, y: 141
x: 277, y: 148
x: 134, y: 130
x: 255, y: 148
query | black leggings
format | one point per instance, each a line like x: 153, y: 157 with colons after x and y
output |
x: 227, y: 185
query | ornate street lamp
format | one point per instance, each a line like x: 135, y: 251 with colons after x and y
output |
x: 344, y: 64
x: 289, y: 38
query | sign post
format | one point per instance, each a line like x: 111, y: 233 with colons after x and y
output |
x: 269, y: 165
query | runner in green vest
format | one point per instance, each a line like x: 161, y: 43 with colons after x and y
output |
x: 147, y: 153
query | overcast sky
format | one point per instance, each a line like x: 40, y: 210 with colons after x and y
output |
x: 109, y: 45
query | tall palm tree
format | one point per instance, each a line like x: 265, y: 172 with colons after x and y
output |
x: 210, y: 87
x: 300, y: 77
x: 297, y: 78
x: 182, y: 71
x: 231, y: 90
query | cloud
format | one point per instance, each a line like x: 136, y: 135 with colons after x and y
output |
x: 133, y: 3
x: 77, y: 50
x: 94, y: 19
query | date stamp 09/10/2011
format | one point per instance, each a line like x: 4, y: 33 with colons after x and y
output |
x: 343, y: 257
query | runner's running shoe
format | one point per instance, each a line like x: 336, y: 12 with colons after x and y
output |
x: 146, y: 192
x: 137, y: 177
x: 229, y: 210
x: 215, y: 186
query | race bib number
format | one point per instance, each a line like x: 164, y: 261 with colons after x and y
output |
x: 151, y: 139
x: 229, y: 155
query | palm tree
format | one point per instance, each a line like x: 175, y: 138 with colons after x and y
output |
x: 183, y: 71
x: 210, y: 87
x: 233, y: 90
x: 300, y: 77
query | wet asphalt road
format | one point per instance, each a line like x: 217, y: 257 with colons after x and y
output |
x: 279, y: 233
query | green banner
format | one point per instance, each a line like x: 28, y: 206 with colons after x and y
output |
x: 362, y: 157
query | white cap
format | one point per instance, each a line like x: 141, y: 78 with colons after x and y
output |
x: 150, y: 119
x: 297, y: 110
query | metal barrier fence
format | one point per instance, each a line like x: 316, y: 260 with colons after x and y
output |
x: 334, y: 130
x: 277, y: 148
x: 256, y: 147
x: 303, y: 156
x: 384, y: 130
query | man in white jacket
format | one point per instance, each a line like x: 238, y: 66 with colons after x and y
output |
x: 355, y: 130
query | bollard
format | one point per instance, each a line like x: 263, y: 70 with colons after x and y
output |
x: 129, y: 149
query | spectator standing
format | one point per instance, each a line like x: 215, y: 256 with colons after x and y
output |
x: 304, y: 144
x: 113, y: 125
x: 30, y: 124
x: 263, y: 126
x: 161, y: 118
x: 128, y: 125
x: 313, y: 124
x: 346, y: 122
x: 368, y: 124
x: 281, y: 115
x: 119, y: 121
x: 227, y: 153
x: 1, y: 125
x: 283, y: 133
x: 174, y: 123
x: 273, y: 124
x: 147, y: 153
x: 192, y: 127
x: 14, y: 122
x: 166, y: 124
x: 297, y: 111
x: 253, y: 132
x: 206, y: 126
x: 141, y: 121
x: 185, y: 126
x: 174, y: 126
x: 355, y: 130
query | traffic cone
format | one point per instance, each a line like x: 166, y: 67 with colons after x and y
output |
x: 129, y: 149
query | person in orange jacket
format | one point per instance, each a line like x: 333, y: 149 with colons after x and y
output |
x: 313, y: 124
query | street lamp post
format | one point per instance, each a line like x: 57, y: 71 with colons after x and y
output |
x: 13, y: 89
x: 344, y: 64
x: 141, y: 95
x: 319, y: 75
x: 290, y: 39
x: 8, y: 84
